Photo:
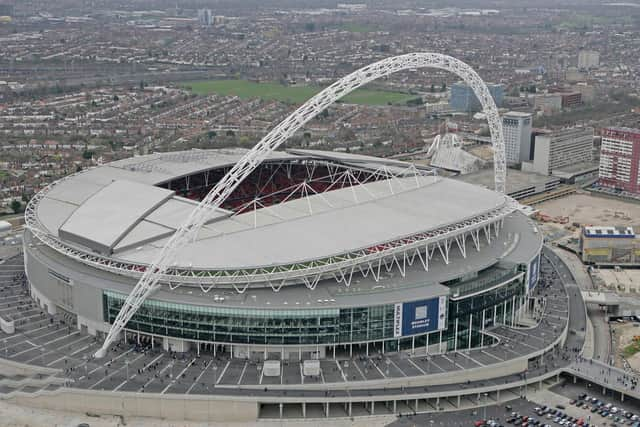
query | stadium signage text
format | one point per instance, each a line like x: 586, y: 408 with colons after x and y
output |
x: 418, y: 317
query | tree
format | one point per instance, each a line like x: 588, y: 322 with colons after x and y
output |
x: 211, y: 134
x: 87, y: 154
x: 141, y: 84
x: 16, y: 206
x: 443, y: 88
x: 415, y: 101
x: 433, y: 88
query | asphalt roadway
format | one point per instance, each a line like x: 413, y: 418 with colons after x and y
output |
x: 601, y: 330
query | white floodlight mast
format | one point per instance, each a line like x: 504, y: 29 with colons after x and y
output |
x: 189, y: 229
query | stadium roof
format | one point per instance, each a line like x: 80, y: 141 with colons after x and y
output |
x: 517, y: 244
x: 116, y: 209
x: 234, y: 242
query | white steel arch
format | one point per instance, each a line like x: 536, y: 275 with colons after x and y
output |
x: 149, y: 281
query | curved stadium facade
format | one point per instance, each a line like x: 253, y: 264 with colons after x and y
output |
x: 316, y: 254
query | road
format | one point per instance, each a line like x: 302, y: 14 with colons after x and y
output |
x: 601, y: 330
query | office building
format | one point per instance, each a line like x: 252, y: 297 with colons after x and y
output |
x: 571, y: 99
x: 562, y: 148
x: 548, y: 102
x: 620, y: 159
x: 463, y: 99
x: 517, y: 136
x: 588, y: 59
x: 205, y: 17
x: 6, y: 9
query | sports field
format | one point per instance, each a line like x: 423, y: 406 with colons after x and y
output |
x: 290, y: 94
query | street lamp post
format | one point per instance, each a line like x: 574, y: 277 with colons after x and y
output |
x: 126, y: 363
x: 215, y: 374
x: 484, y: 408
x: 86, y: 368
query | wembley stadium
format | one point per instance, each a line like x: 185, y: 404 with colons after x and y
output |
x: 314, y: 255
x: 237, y: 285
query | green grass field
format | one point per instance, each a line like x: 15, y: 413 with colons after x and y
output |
x: 357, y: 28
x: 585, y: 21
x: 290, y: 94
x: 631, y: 349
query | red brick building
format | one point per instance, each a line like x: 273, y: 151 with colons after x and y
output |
x: 571, y: 99
x: 620, y: 159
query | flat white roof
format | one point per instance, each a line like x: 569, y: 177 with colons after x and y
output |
x: 608, y: 231
x: 517, y: 114
x: 104, y: 219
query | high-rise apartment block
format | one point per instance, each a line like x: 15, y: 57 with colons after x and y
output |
x: 588, y: 59
x: 620, y: 159
x: 6, y: 8
x: 205, y: 17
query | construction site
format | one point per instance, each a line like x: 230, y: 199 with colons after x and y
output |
x: 585, y: 209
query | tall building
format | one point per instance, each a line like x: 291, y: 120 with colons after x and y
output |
x: 587, y: 92
x: 620, y: 159
x: 517, y: 136
x: 571, y: 99
x: 463, y: 99
x: 205, y: 17
x: 562, y: 148
x: 548, y: 102
x: 6, y: 8
x: 588, y: 59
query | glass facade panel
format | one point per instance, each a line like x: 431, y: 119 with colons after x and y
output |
x: 254, y: 326
x: 486, y: 292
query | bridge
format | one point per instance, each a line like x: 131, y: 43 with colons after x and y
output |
x: 606, y: 376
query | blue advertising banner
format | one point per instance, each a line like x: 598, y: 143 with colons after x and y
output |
x: 419, y: 317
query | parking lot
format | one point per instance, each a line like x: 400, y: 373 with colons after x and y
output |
x: 498, y: 413
x: 566, y: 405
